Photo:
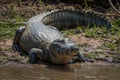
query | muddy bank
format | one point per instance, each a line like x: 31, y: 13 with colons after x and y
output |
x: 8, y: 56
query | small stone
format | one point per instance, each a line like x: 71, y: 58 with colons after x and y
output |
x: 109, y: 59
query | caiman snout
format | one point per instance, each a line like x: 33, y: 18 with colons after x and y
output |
x: 74, y: 48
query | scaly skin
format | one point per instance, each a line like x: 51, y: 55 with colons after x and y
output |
x: 70, y: 18
x: 47, y: 43
x: 38, y: 35
x: 41, y: 39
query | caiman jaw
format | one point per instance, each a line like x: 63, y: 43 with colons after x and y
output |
x: 63, y: 57
x: 66, y: 53
x: 71, y: 51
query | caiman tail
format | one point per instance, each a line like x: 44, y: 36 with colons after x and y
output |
x: 71, y: 18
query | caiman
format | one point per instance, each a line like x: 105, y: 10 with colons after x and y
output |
x: 42, y: 40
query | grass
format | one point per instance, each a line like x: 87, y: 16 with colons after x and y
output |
x: 9, y: 26
x: 49, y: 8
x: 7, y: 29
x: 85, y: 3
x: 94, y: 32
x: 41, y: 2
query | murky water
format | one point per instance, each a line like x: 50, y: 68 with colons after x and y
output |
x: 54, y: 72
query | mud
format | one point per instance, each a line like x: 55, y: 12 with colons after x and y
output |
x: 8, y: 56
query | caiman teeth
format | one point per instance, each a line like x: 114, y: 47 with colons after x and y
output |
x: 60, y: 52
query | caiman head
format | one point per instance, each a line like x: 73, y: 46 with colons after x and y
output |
x: 62, y: 51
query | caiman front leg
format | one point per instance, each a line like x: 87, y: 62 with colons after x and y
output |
x: 35, y: 53
x: 16, y: 40
x: 78, y: 58
x: 81, y: 57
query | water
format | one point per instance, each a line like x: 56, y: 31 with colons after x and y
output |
x: 56, y: 72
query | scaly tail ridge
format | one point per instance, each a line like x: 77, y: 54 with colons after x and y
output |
x: 69, y: 18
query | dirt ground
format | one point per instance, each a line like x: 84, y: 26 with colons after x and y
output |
x: 7, y: 55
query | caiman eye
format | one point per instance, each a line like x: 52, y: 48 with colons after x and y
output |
x: 53, y: 47
x: 62, y: 40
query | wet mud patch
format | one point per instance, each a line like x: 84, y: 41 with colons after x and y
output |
x: 80, y: 39
x: 7, y: 55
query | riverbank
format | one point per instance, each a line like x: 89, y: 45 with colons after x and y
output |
x: 96, y: 43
